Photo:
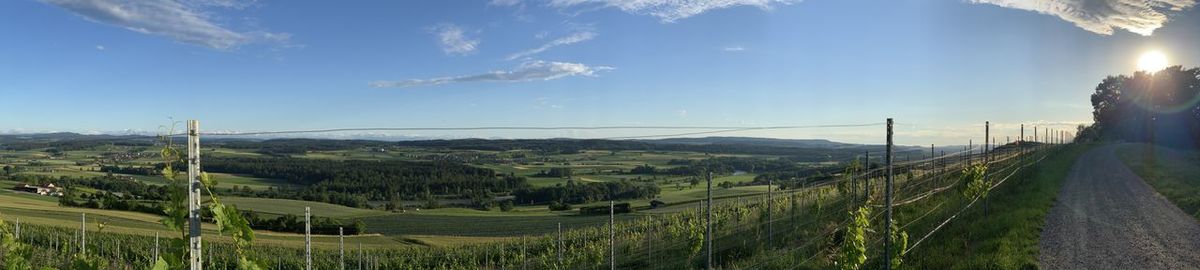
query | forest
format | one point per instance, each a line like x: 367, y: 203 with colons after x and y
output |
x: 353, y: 182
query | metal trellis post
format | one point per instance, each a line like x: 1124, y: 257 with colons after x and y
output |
x: 887, y: 245
x: 612, y: 247
x: 83, y: 233
x: 341, y: 249
x: 193, y: 148
x: 307, y: 238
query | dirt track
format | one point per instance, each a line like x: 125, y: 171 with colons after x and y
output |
x: 1106, y: 217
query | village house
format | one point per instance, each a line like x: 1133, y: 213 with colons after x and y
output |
x: 45, y: 190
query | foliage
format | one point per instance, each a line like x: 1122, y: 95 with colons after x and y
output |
x: 1160, y: 107
x: 854, y: 241
x: 559, y: 206
x: 899, y: 240
x: 506, y: 205
x: 355, y: 182
x: 16, y: 254
x: 576, y: 193
x: 977, y: 184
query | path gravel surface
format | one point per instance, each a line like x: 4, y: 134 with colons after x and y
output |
x: 1106, y: 217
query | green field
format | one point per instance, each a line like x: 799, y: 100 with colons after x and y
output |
x: 443, y: 226
x: 294, y: 207
x: 42, y: 210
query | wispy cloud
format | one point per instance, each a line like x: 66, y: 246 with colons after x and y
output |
x: 100, y: 47
x: 567, y: 40
x: 528, y: 71
x: 1103, y: 16
x: 670, y: 10
x: 734, y: 49
x: 454, y: 40
x: 504, y: 2
x: 544, y: 102
x: 180, y: 20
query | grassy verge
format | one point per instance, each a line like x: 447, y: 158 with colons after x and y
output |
x: 1173, y: 173
x: 1007, y: 237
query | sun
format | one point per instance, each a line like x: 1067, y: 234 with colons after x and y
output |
x: 1152, y: 61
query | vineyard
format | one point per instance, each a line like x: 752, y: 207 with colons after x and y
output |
x: 836, y: 223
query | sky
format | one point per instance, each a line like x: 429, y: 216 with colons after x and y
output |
x: 941, y: 68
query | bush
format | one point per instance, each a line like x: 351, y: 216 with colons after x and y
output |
x: 506, y: 205
x: 559, y: 206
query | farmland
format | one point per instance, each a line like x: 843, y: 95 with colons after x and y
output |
x: 38, y: 159
x: 425, y: 229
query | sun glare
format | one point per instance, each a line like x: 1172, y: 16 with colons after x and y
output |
x: 1152, y: 61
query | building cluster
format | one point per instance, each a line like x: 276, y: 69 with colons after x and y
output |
x: 44, y: 190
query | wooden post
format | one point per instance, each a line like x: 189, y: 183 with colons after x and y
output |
x: 708, y: 225
x: 155, y: 246
x: 887, y: 244
x: 193, y: 148
x: 307, y: 238
x: 18, y: 236
x: 987, y: 129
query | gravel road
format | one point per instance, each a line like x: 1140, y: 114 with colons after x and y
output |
x: 1106, y: 217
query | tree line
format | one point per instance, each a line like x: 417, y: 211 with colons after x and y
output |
x: 354, y: 182
x: 576, y: 193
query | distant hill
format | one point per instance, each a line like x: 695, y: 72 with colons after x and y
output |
x: 801, y: 150
x: 797, y: 143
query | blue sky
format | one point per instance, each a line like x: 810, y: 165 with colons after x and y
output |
x: 941, y: 68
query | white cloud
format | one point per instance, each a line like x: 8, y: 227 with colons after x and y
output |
x: 681, y: 113
x: 1103, y: 16
x: 183, y: 21
x: 528, y: 71
x: 734, y: 49
x: 504, y: 2
x: 669, y: 10
x: 100, y: 47
x: 567, y: 40
x: 454, y: 40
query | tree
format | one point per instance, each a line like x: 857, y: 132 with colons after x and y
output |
x: 1159, y: 107
x: 506, y: 205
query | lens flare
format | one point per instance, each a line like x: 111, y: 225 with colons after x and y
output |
x: 1152, y: 61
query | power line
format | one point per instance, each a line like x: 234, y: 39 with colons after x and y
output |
x: 710, y: 129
